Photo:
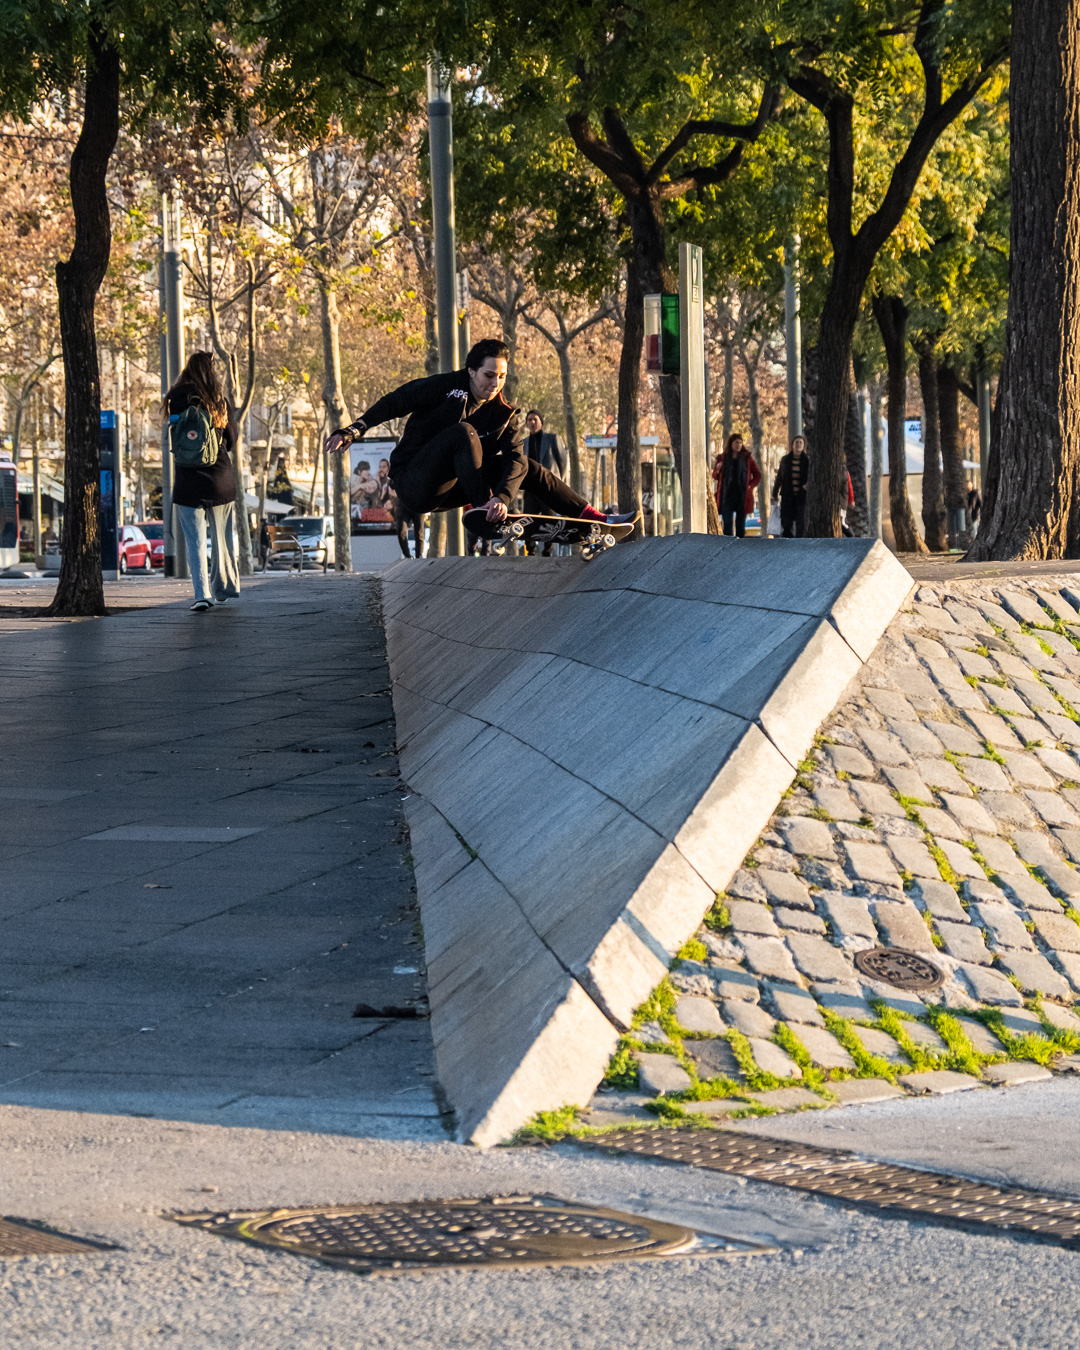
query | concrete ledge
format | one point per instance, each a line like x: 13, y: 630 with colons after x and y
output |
x: 593, y: 749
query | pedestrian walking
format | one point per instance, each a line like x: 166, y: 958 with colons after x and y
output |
x: 847, y: 501
x: 546, y: 448
x: 204, y: 493
x: 789, y: 488
x: 463, y: 444
x: 402, y: 520
x: 265, y: 542
x: 974, y: 506
x: 736, y: 475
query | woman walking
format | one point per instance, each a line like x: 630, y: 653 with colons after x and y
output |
x: 790, y: 487
x: 205, y: 496
x: 736, y: 475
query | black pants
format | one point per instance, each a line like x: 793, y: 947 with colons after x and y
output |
x: 733, y: 521
x: 452, y: 470
x: 793, y: 517
x: 402, y: 520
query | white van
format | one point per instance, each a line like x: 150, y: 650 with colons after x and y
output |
x: 316, y: 536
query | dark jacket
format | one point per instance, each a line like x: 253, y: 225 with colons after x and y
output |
x: 546, y: 448
x: 437, y: 402
x: 782, y: 484
x: 215, y: 486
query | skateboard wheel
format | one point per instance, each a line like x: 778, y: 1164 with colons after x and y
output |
x: 609, y: 541
x: 517, y: 529
x: 497, y: 549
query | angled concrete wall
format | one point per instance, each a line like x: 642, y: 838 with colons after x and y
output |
x: 593, y: 749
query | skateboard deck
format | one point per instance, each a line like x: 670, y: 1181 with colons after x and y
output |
x: 594, y: 536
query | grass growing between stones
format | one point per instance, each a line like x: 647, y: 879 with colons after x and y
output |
x: 962, y: 1054
x: 812, y: 1076
x: 894, y: 1023
x: 718, y: 919
x: 1018, y: 1046
x: 867, y: 1065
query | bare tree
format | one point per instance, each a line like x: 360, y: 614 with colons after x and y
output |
x: 561, y: 335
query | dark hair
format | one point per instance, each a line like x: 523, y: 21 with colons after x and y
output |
x: 483, y: 349
x: 735, y: 436
x: 799, y: 437
x: 200, y: 373
x: 533, y: 413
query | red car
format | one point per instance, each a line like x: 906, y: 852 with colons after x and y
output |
x: 135, y: 550
x: 154, y: 530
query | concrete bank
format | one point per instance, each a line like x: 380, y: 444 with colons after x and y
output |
x: 593, y: 748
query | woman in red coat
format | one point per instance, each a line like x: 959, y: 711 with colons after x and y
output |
x: 736, y: 475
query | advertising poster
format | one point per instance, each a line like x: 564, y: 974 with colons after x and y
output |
x: 371, y: 498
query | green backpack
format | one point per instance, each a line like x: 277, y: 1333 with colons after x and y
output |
x: 194, y: 440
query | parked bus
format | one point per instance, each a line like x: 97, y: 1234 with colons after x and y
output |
x: 9, y: 514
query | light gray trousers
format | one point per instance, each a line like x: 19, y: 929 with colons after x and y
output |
x: 224, y: 579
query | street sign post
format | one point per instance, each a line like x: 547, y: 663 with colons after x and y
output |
x: 692, y: 382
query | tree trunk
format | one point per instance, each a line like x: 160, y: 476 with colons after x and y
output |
x: 337, y: 415
x: 729, y: 392
x: 573, y: 448
x: 1031, y: 497
x: 952, y: 452
x: 757, y: 437
x: 834, y: 392
x: 855, y: 461
x: 80, y: 590
x: 509, y: 318
x: 933, y: 502
x: 891, y: 315
x: 874, y: 390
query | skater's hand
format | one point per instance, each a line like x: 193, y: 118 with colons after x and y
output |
x: 337, y: 441
x: 496, y: 510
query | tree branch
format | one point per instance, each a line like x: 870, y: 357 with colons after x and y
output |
x: 737, y: 131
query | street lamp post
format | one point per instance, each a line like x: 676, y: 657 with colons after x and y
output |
x: 171, y: 298
x: 441, y: 158
x: 793, y: 339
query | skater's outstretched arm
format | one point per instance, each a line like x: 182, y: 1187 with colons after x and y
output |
x: 407, y: 398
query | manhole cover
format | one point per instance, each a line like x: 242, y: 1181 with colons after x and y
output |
x: 511, y: 1231
x: 20, y: 1237
x: 904, y: 970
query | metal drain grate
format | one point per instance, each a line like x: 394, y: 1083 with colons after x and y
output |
x: 856, y: 1181
x: 509, y: 1231
x: 20, y: 1238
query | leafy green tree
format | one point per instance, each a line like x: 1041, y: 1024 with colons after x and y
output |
x: 654, y: 98
x: 881, y: 73
x: 151, y: 55
x: 182, y: 60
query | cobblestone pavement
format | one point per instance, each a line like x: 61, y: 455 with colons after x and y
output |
x: 938, y: 813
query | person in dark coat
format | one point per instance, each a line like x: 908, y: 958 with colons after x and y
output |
x: 974, y: 505
x: 736, y: 475
x: 205, y: 497
x: 789, y: 488
x: 546, y: 448
x: 463, y: 444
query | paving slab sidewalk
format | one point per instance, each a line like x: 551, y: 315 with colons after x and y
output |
x: 202, y: 862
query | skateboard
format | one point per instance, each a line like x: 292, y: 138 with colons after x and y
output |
x: 594, y: 536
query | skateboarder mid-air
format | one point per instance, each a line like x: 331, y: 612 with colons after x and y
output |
x: 463, y: 444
